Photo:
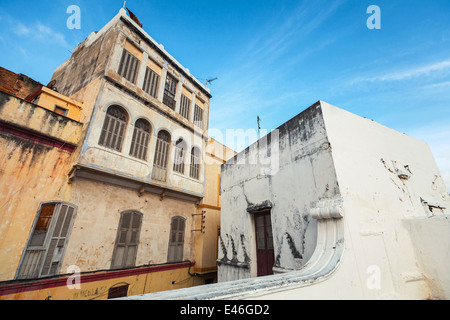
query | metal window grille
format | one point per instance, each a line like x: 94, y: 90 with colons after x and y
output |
x: 151, y: 83
x: 45, y: 249
x: 178, y: 165
x: 185, y: 106
x: 195, y: 164
x: 176, y: 241
x: 141, y: 137
x: 127, y: 240
x: 113, y: 128
x: 129, y: 66
x: 160, y: 161
x: 198, y: 116
x: 170, y: 91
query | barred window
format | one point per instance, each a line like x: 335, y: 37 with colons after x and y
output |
x: 114, y: 128
x: 198, y: 116
x: 185, y: 106
x: 141, y: 138
x: 161, y: 156
x: 176, y: 241
x: 151, y: 83
x: 129, y: 66
x: 195, y: 164
x: 127, y: 240
x: 180, y: 151
x: 170, y: 91
x: 45, y: 249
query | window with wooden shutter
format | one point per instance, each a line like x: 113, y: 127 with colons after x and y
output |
x: 198, y: 117
x: 161, y: 159
x: 185, y: 106
x: 151, y: 83
x: 170, y: 90
x: 127, y: 240
x: 129, y: 66
x: 195, y: 164
x: 176, y: 241
x: 141, y: 138
x: 180, y: 155
x: 113, y: 130
x: 46, y: 246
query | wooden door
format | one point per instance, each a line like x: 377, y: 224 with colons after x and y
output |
x: 264, y: 244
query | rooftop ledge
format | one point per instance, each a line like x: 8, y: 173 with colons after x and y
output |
x: 324, y: 262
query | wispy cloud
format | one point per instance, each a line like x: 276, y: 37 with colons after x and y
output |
x: 297, y: 25
x: 433, y: 69
x: 252, y: 78
x: 48, y: 34
x: 21, y: 30
x: 33, y: 31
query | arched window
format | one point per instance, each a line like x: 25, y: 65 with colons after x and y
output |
x: 141, y: 137
x: 113, y: 130
x: 195, y: 163
x: 161, y: 156
x: 127, y: 240
x: 180, y: 155
x: 176, y: 241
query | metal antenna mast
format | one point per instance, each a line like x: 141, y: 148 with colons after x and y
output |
x: 258, y: 119
x: 210, y: 80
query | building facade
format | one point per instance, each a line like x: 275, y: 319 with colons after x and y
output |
x: 137, y: 182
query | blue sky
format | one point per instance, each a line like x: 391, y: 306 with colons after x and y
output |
x: 273, y: 58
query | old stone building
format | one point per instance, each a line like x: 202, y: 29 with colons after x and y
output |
x: 331, y: 206
x: 138, y: 215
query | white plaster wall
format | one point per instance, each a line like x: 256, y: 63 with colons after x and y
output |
x: 301, y: 173
x: 394, y: 247
x: 377, y: 202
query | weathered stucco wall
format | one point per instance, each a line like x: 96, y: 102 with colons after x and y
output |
x: 34, y: 167
x: 87, y: 63
x: 292, y: 170
x: 93, y: 237
x: 387, y: 180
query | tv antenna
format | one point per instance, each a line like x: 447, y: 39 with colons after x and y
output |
x: 210, y: 80
x: 258, y: 119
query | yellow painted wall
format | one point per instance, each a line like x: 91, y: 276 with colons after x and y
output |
x: 206, y: 242
x: 48, y: 99
x: 30, y: 173
x: 98, y: 290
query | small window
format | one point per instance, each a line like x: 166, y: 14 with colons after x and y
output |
x: 141, y: 138
x: 198, y: 117
x: 170, y: 91
x: 180, y: 155
x: 118, y: 291
x: 60, y: 110
x: 46, y: 246
x: 129, y: 66
x: 176, y: 241
x: 195, y: 164
x: 114, y: 128
x: 151, y: 83
x: 127, y: 240
x: 161, y: 156
x: 185, y: 106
